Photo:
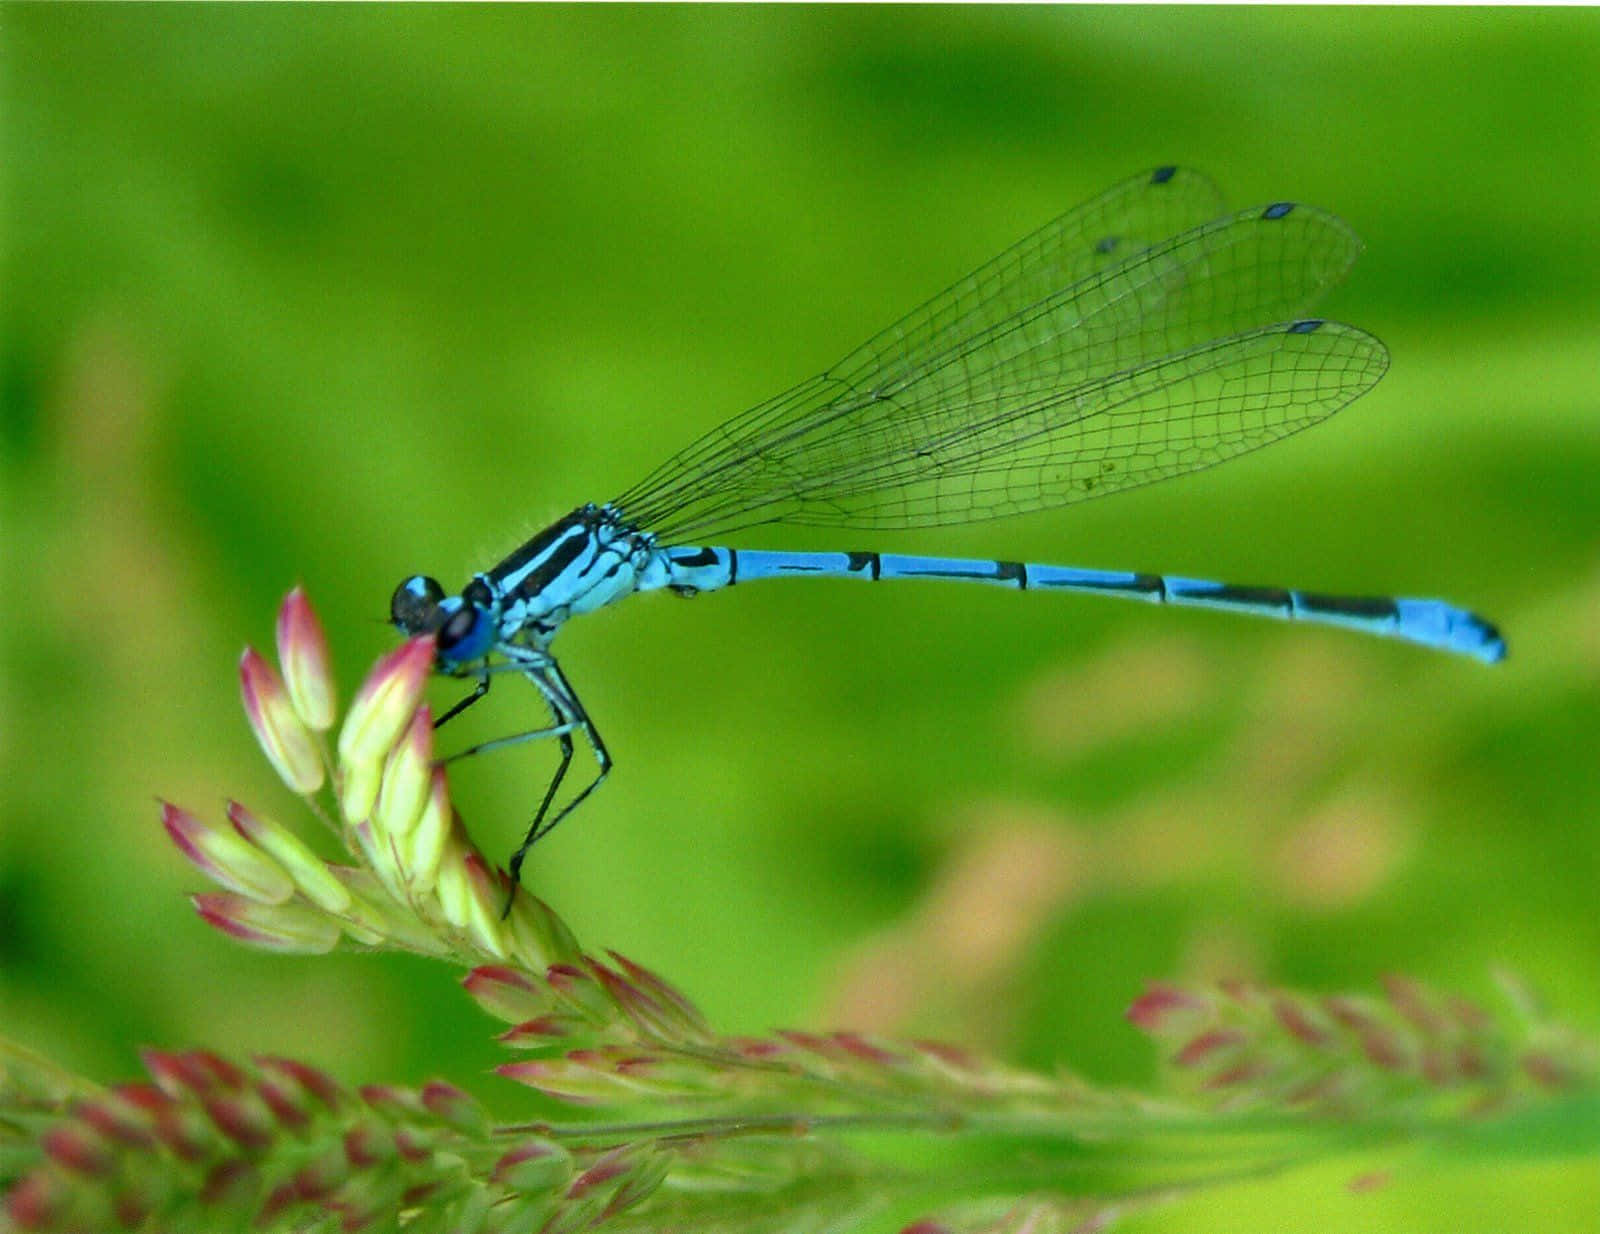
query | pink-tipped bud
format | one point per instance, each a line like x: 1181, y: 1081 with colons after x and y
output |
x: 455, y: 1108
x: 229, y: 1183
x: 304, y: 1086
x: 505, y: 993
x: 579, y: 991
x: 383, y: 706
x: 398, y: 1105
x: 1155, y: 1010
x: 78, y: 1149
x: 613, y: 1165
x: 1412, y: 1002
x: 40, y: 1201
x: 640, y: 1182
x: 308, y: 871
x: 534, y: 1166
x: 1384, y: 1048
x: 470, y: 898
x: 645, y: 1012
x: 559, y: 1081
x: 541, y: 1030
x: 192, y: 1073
x: 286, y: 741
x: 117, y: 1120
x: 272, y: 927
x: 418, y: 1144
x: 951, y: 1057
x: 423, y: 850
x: 1207, y: 1045
x: 539, y: 938
x: 243, y: 1119
x: 226, y: 858
x: 358, y: 791
x: 176, y: 1123
x: 407, y: 779
x: 685, y: 1016
x: 1300, y: 1021
x: 303, y: 652
x: 857, y: 1046
x: 369, y: 1143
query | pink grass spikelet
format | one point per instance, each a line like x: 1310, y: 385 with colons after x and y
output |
x: 1207, y: 1045
x: 316, y: 1087
x: 1156, y: 1010
x: 303, y: 652
x: 1299, y: 1019
x: 284, y: 738
x: 243, y: 1118
x: 534, y: 1166
x: 539, y: 938
x: 686, y: 1017
x: 470, y: 897
x: 541, y: 1030
x: 422, y: 850
x: 506, y: 993
x: 78, y: 1149
x: 358, y: 790
x: 39, y: 1202
x: 578, y: 990
x: 117, y: 1121
x: 407, y: 779
x: 369, y: 1143
x: 454, y: 1108
x: 383, y: 706
x: 309, y: 872
x: 229, y: 1183
x: 275, y: 927
x: 227, y: 858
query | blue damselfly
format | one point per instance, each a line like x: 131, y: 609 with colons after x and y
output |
x: 1141, y: 336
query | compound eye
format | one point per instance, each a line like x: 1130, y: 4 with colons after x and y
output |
x: 414, y: 604
x: 465, y: 634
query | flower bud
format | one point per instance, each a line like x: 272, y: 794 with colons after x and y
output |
x: 286, y: 741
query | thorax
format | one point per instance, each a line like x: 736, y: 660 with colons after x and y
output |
x: 578, y: 564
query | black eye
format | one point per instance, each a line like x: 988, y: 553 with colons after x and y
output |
x: 465, y: 635
x: 414, y: 602
x: 458, y: 627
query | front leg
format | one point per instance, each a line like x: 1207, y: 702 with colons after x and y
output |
x: 481, y: 689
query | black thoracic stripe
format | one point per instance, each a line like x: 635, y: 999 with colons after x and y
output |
x: 1350, y: 606
x: 559, y: 558
x: 733, y: 565
x: 1013, y: 572
x: 534, y: 547
x: 870, y: 562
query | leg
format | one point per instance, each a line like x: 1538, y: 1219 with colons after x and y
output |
x: 536, y: 734
x: 478, y: 692
x: 571, y: 715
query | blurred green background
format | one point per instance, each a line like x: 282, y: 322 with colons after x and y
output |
x: 335, y: 295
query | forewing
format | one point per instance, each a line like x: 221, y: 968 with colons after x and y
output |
x: 998, y: 376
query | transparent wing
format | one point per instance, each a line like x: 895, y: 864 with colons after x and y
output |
x: 1100, y: 353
